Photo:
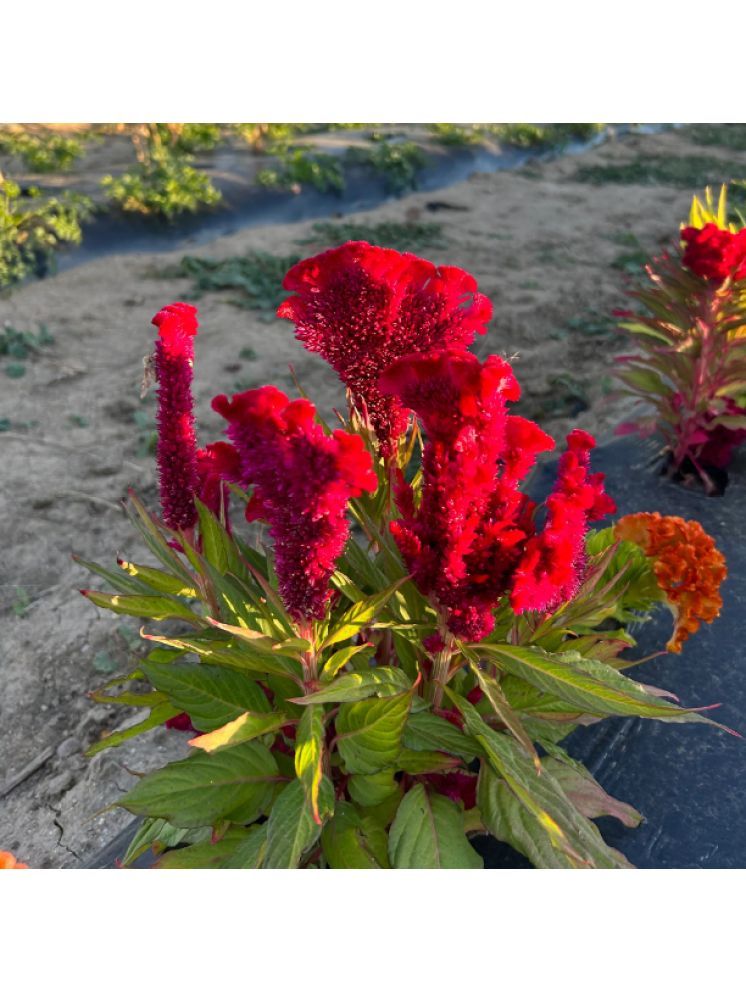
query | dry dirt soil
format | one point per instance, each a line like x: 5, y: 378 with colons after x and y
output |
x: 541, y: 245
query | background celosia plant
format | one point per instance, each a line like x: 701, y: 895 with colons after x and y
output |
x: 391, y: 675
x: 691, y: 364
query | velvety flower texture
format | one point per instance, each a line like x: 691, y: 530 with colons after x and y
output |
x: 688, y: 566
x: 551, y: 566
x: 472, y: 537
x: 360, y: 307
x: 302, y: 482
x: 176, y: 449
x: 715, y: 254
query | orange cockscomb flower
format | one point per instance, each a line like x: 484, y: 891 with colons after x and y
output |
x: 688, y: 566
x: 9, y: 863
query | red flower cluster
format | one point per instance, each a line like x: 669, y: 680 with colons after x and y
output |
x: 360, y: 307
x: 715, y: 254
x: 302, y: 482
x: 552, y: 563
x: 472, y: 538
x: 175, y: 453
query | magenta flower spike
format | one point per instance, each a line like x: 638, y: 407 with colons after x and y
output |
x: 176, y: 452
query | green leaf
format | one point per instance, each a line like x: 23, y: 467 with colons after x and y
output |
x: 309, y: 753
x: 425, y: 731
x: 511, y: 822
x: 118, y: 579
x: 369, y: 732
x: 291, y: 829
x: 590, y: 685
x: 157, y: 607
x: 428, y: 831
x: 353, y: 841
x: 153, y: 534
x: 362, y: 614
x: 424, y: 761
x: 158, y: 715
x: 239, y: 848
x: 236, y: 784
x: 501, y: 708
x: 217, y: 546
x: 241, y: 730
x: 369, y: 790
x: 542, y: 810
x: 158, y: 835
x: 584, y: 791
x: 381, y: 681
x: 338, y: 660
x: 158, y: 580
x: 251, y: 851
x: 238, y: 656
x: 212, y: 696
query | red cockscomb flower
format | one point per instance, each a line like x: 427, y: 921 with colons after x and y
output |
x: 473, y: 529
x: 360, y: 307
x: 463, y: 541
x: 551, y: 566
x: 715, y: 254
x: 176, y: 450
x: 302, y: 482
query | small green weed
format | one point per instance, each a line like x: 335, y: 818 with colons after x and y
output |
x: 406, y: 236
x: 257, y: 275
x: 22, y: 602
x: 22, y: 345
x: 675, y: 171
x: 727, y: 136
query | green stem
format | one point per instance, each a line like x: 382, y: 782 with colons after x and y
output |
x: 442, y: 666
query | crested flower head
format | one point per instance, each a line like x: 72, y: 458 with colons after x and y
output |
x: 687, y: 564
x: 360, y: 307
x: 715, y: 253
x: 302, y: 481
x: 176, y: 449
x: 472, y: 530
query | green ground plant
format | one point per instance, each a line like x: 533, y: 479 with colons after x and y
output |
x: 18, y: 345
x: 406, y: 236
x: 163, y: 184
x: 398, y: 163
x: 298, y: 167
x: 257, y: 276
x: 727, y: 136
x: 43, y: 153
x: 675, y: 171
x: 33, y: 227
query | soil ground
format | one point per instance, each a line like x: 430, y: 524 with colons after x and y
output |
x: 546, y: 248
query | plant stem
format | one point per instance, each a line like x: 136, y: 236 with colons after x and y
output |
x: 309, y: 658
x: 442, y: 666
